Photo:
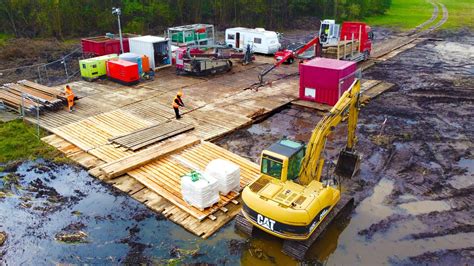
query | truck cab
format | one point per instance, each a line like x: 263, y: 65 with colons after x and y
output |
x: 351, y: 30
x: 329, y: 32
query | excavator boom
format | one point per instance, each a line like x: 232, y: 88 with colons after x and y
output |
x: 313, y: 162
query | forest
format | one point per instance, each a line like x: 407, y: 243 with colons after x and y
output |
x: 74, y: 18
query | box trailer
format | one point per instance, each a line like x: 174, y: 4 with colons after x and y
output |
x: 260, y: 40
x: 324, y: 80
x: 103, y: 45
x: 194, y: 34
x: 94, y: 68
x: 123, y: 72
x: 157, y: 49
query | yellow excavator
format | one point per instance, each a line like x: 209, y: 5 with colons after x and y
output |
x: 289, y: 199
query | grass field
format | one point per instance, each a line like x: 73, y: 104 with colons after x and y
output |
x: 403, y: 14
x: 18, y: 141
x: 461, y: 14
x: 407, y: 14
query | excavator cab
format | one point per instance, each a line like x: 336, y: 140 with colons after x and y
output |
x: 282, y: 160
x: 347, y: 164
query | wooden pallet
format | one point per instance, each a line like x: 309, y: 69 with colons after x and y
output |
x: 221, y: 214
x: 150, y: 135
x: 164, y: 175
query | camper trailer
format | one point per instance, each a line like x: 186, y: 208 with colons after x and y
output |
x: 260, y: 40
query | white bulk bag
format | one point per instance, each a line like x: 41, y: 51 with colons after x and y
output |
x: 227, y: 174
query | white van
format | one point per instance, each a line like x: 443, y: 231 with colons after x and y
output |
x: 260, y: 40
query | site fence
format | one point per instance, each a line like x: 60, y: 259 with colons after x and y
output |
x: 53, y: 73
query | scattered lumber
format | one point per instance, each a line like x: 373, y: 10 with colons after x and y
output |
x: 133, y: 161
x: 39, y: 96
x: 150, y: 135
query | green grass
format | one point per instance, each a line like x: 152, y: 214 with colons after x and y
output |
x: 4, y: 38
x: 461, y: 14
x: 407, y: 14
x: 18, y: 141
x: 403, y: 14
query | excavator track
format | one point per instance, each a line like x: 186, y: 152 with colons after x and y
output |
x: 298, y: 249
x: 243, y: 225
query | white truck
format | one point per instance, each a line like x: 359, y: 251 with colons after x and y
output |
x: 260, y: 40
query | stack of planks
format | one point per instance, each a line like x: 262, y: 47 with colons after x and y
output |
x: 150, y: 135
x: 344, y: 49
x: 44, y: 97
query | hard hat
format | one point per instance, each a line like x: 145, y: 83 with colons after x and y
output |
x: 180, y: 93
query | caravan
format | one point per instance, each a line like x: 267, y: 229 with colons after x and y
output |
x: 259, y: 39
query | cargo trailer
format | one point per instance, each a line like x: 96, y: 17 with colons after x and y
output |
x: 157, y: 49
x: 123, y: 72
x: 94, y: 68
x: 324, y: 80
x: 195, y: 34
x: 260, y: 40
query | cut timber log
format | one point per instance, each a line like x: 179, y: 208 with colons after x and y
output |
x: 131, y: 162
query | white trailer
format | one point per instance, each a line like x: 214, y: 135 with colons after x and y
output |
x: 158, y: 50
x: 260, y: 40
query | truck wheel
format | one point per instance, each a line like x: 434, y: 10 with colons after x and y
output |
x: 291, y: 60
x: 366, y: 55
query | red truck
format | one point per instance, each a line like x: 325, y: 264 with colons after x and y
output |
x: 352, y: 41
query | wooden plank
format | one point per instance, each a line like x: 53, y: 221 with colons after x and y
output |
x: 147, y: 136
x: 133, y: 161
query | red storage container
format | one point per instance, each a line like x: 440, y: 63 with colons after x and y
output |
x: 123, y: 72
x: 324, y: 80
x: 103, y: 46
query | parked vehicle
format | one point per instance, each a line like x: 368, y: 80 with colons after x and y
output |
x: 260, y: 40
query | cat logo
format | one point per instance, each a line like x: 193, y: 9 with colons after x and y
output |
x: 265, y: 222
x: 323, y: 213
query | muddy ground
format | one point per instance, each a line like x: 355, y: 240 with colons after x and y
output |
x: 414, y: 192
x: 415, y: 188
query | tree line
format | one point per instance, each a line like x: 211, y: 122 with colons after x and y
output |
x: 74, y: 18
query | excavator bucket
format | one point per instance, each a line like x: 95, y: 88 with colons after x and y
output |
x: 347, y: 164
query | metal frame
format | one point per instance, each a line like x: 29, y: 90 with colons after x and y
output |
x: 192, y: 28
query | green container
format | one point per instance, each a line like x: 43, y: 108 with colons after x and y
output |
x: 94, y: 68
x: 202, y: 36
x: 177, y: 37
x: 189, y: 37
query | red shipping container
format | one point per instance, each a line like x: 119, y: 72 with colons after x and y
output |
x: 123, y: 72
x: 324, y: 80
x: 103, y: 46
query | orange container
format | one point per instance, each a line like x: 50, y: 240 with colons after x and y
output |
x: 145, y: 63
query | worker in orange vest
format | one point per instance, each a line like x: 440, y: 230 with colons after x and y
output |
x: 177, y: 102
x: 70, y: 97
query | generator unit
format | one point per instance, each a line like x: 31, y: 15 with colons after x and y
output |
x: 94, y: 68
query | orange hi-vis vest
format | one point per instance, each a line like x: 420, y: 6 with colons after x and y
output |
x: 69, y: 94
x: 177, y: 102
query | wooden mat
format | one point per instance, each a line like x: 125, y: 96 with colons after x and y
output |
x: 150, y: 135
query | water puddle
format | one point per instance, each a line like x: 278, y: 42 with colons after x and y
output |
x: 425, y: 206
x: 464, y: 180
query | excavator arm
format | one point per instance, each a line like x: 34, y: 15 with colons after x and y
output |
x: 294, y: 54
x: 313, y: 162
